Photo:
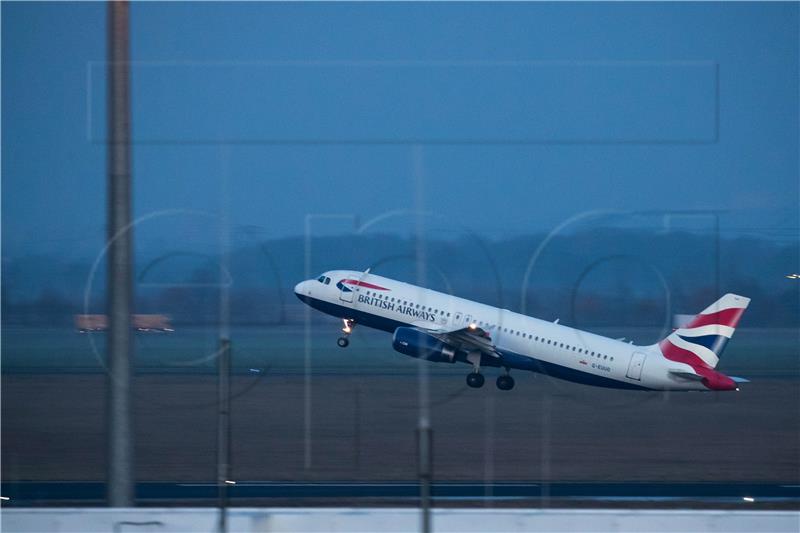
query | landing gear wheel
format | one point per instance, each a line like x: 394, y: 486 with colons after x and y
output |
x: 475, y: 380
x: 343, y: 342
x: 505, y: 382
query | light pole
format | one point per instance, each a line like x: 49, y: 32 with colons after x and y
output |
x: 120, y: 484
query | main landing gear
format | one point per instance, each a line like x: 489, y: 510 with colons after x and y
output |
x: 505, y: 382
x: 343, y: 341
x: 476, y: 380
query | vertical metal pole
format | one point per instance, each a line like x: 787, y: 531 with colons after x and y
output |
x: 357, y: 429
x: 546, y: 406
x: 488, y: 453
x: 120, y: 260
x: 224, y: 356
x: 307, y: 381
x: 425, y: 453
x: 424, y: 430
x: 717, y: 258
x: 223, y: 429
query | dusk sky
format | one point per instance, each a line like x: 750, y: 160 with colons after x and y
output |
x: 523, y: 115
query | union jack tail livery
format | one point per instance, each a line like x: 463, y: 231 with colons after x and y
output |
x: 700, y: 342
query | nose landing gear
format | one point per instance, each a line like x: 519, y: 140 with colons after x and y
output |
x: 343, y: 341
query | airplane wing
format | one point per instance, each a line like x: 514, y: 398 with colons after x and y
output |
x: 470, y: 338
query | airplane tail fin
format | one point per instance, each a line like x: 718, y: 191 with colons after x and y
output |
x: 700, y: 342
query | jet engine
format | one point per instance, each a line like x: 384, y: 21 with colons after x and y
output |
x: 416, y: 343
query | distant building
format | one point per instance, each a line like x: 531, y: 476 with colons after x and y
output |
x: 85, y: 323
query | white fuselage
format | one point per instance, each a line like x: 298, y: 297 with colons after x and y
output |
x: 525, y: 342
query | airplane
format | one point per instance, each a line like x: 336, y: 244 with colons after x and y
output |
x: 443, y: 328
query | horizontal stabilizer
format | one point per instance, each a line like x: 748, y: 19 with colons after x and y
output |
x: 685, y: 374
x: 739, y: 380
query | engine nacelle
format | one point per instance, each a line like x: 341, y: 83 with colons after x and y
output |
x: 416, y: 343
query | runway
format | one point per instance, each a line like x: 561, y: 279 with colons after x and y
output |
x: 47, y: 493
x: 362, y: 428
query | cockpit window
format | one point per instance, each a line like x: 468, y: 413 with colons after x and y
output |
x: 327, y: 281
x: 321, y: 279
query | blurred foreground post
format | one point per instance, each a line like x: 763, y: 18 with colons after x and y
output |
x: 224, y: 354
x: 425, y: 454
x: 120, y: 484
x: 223, y: 429
x: 424, y: 429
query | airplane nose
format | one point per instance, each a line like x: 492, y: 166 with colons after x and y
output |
x: 298, y: 289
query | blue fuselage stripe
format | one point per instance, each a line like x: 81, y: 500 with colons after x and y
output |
x: 715, y: 343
